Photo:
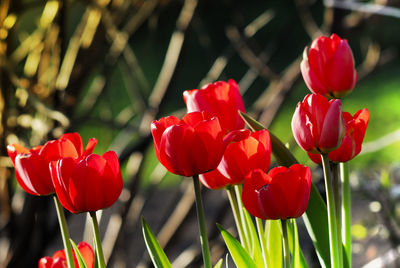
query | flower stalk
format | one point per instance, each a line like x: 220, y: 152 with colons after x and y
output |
x: 286, y: 251
x: 334, y: 249
x: 338, y: 207
x: 64, y: 232
x: 97, y: 240
x: 237, y: 216
x: 202, y: 224
x: 346, y: 210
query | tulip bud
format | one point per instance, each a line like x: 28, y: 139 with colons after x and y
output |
x: 317, y: 124
x: 328, y: 67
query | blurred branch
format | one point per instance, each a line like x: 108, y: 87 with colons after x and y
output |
x: 307, y: 19
x: 71, y: 54
x: 178, y: 215
x: 382, y: 142
x: 220, y: 63
x: 248, y: 56
x: 268, y: 104
x: 364, y: 7
x: 169, y: 65
x: 172, y: 55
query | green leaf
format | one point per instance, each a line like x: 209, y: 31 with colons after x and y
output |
x: 219, y: 263
x: 156, y: 253
x: 239, y: 255
x: 273, y: 237
x: 78, y: 254
x: 256, y: 251
x: 298, y: 257
x: 316, y: 215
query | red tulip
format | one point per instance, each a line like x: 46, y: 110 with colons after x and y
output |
x: 317, y: 124
x: 248, y: 152
x: 328, y: 67
x: 281, y: 194
x: 88, y: 183
x: 193, y: 145
x: 221, y: 99
x: 356, y: 126
x: 32, y: 166
x: 59, y: 260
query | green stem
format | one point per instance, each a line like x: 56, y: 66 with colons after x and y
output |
x: 331, y: 212
x: 245, y: 225
x: 260, y: 230
x: 338, y: 207
x: 97, y: 240
x: 286, y: 251
x: 202, y: 224
x: 64, y: 232
x: 346, y: 210
x: 236, y: 215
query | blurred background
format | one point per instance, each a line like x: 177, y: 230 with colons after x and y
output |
x: 107, y: 68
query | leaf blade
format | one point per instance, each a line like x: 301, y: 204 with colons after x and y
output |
x: 239, y: 255
x: 156, y: 253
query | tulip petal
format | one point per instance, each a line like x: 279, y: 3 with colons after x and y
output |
x: 158, y: 128
x: 214, y: 180
x: 76, y: 140
x: 173, y: 150
x: 45, y: 262
x: 333, y: 128
x: 56, y: 149
x: 33, y: 175
x: 312, y: 80
x: 301, y: 130
x: 90, y: 147
x: 61, y: 174
x: 87, y: 254
x: 86, y: 188
x: 209, y: 148
x: 341, y: 68
x: 251, y: 186
x: 221, y: 99
x: 15, y: 149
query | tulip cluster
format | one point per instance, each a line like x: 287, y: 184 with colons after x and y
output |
x: 211, y: 144
x: 329, y: 135
x: 80, y: 180
x: 83, y: 181
x: 211, y: 141
x: 319, y: 125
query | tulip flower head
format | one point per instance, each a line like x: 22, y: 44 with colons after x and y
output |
x: 249, y: 151
x: 328, y: 67
x: 89, y: 183
x: 281, y: 194
x: 356, y: 126
x: 221, y: 99
x: 59, y: 260
x: 32, y: 166
x: 317, y: 124
x: 193, y: 145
